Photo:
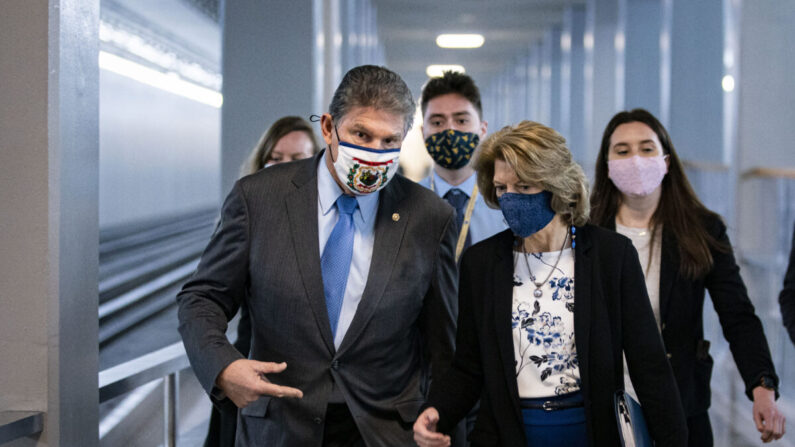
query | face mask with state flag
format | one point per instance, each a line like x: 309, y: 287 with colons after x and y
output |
x: 364, y: 170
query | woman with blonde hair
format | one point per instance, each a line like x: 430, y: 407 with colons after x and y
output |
x: 288, y: 139
x: 546, y: 310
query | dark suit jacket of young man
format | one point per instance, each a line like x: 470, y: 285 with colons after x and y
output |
x: 682, y: 321
x: 403, y: 330
x: 611, y: 311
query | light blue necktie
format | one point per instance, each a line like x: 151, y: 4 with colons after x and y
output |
x: 336, y: 260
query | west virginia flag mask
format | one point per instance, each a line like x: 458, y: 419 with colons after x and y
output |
x: 452, y: 149
x: 365, y: 170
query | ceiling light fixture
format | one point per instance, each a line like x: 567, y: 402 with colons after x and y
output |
x: 460, y: 40
x: 435, y: 71
x: 170, y: 82
x: 727, y: 83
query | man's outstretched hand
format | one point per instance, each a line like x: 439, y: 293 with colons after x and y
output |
x: 244, y: 381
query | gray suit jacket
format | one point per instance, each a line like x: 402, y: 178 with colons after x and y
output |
x: 265, y: 251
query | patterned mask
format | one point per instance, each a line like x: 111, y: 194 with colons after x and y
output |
x: 451, y: 148
x: 527, y: 214
x: 636, y: 175
x: 365, y: 170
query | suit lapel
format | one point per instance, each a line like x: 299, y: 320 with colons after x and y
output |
x: 388, y: 237
x: 583, y: 266
x: 301, y: 206
x: 502, y: 300
x: 668, y: 262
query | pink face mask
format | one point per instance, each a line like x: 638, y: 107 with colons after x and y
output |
x: 636, y: 175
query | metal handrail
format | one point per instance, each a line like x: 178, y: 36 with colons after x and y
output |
x: 19, y: 424
x: 755, y: 172
x: 165, y: 363
x: 123, y: 378
x: 705, y: 166
x: 769, y: 172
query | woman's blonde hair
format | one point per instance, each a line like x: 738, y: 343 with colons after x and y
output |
x: 261, y: 153
x: 539, y: 156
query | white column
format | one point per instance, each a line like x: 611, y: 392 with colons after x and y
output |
x: 274, y: 64
x: 551, y: 75
x: 643, y: 27
x: 49, y: 239
x: 572, y: 86
x: 519, y: 96
x: 604, y: 70
x: 696, y: 113
x: 534, y: 82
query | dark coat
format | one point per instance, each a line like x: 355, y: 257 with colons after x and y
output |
x: 266, y: 252
x: 787, y: 297
x: 612, y: 312
x: 682, y: 321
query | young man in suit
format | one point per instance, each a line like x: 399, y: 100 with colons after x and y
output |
x: 349, y: 273
x: 452, y: 126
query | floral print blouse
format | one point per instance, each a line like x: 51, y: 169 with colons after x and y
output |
x: 543, y: 327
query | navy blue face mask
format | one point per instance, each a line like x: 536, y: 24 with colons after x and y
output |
x: 526, y: 214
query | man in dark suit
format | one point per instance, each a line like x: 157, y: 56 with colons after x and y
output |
x: 348, y: 270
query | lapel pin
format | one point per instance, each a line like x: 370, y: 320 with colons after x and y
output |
x: 396, y: 217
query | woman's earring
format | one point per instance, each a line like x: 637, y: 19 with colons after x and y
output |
x: 573, y: 236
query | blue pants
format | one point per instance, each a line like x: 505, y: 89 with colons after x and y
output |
x: 555, y: 428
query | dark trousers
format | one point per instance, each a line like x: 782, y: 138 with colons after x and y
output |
x: 340, y: 429
x: 223, y: 423
x: 699, y: 431
x: 223, y: 416
x: 564, y: 427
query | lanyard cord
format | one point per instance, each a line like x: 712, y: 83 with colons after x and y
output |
x: 462, y: 236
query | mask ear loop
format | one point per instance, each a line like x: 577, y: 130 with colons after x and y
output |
x: 338, y: 134
x: 316, y: 118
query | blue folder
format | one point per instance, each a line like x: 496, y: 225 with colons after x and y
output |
x: 631, y: 424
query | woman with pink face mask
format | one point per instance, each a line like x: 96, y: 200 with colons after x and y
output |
x: 641, y: 191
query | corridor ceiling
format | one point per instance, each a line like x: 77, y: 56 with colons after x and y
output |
x: 408, y: 29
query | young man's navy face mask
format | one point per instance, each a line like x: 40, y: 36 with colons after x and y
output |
x: 452, y: 149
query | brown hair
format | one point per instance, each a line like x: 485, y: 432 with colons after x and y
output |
x: 679, y: 210
x: 261, y: 153
x: 539, y: 155
x: 452, y: 82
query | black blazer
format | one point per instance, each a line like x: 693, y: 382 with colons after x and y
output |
x: 612, y: 312
x: 787, y: 297
x: 682, y: 321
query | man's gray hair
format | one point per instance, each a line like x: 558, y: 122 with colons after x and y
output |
x: 376, y: 87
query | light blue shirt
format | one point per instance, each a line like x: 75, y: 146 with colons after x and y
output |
x: 485, y: 221
x: 364, y: 234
